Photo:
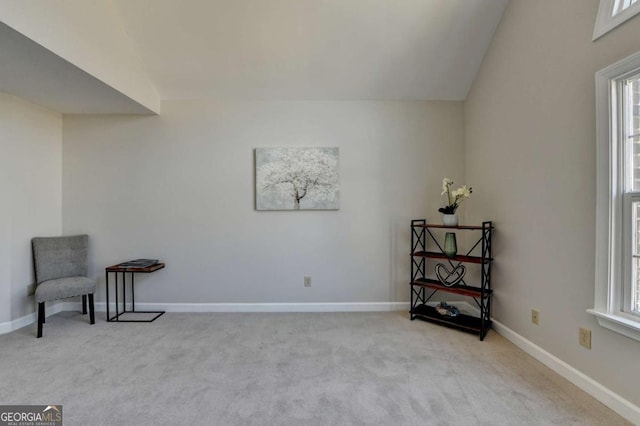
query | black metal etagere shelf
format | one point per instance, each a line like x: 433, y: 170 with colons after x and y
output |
x: 423, y: 287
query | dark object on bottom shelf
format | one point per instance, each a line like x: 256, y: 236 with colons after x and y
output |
x: 461, y: 321
x: 447, y: 310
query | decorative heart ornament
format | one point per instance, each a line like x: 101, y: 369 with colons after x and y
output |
x: 450, y: 278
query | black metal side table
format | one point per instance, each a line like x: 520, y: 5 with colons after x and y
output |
x: 132, y: 270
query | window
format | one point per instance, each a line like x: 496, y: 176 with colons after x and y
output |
x: 621, y: 5
x: 630, y: 125
x: 617, y: 301
x: 613, y: 13
x: 635, y: 277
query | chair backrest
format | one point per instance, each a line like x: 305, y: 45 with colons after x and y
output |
x: 60, y: 257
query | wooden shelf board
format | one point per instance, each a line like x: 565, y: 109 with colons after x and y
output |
x: 456, y: 258
x: 464, y: 227
x: 456, y: 289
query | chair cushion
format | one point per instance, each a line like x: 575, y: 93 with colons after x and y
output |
x: 62, y: 288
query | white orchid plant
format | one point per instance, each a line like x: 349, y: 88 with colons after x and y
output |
x: 455, y: 197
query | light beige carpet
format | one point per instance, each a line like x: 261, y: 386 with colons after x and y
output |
x: 284, y: 369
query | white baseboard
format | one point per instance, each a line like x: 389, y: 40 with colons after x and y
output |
x: 265, y: 307
x: 609, y: 398
x: 9, y: 326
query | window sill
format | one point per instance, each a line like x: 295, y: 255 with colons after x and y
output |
x: 617, y: 323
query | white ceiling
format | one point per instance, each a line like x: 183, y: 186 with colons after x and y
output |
x: 311, y: 49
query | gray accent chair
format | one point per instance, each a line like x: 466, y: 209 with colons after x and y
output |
x: 61, y: 271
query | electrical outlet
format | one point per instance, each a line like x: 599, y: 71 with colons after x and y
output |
x: 535, y: 316
x: 307, y: 281
x: 585, y: 338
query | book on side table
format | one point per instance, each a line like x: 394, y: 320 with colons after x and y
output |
x: 138, y: 263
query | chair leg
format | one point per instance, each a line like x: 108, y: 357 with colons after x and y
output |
x: 40, y: 318
x: 84, y: 304
x: 92, y: 316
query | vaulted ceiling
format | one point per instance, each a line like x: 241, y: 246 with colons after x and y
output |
x: 124, y: 56
x: 32, y: 72
x: 311, y: 49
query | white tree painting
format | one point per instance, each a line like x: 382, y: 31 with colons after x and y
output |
x: 297, y: 179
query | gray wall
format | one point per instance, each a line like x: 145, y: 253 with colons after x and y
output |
x: 530, y: 154
x: 180, y: 187
x: 31, y: 188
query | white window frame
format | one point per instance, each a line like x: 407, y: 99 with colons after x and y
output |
x: 611, y: 259
x: 607, y: 21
